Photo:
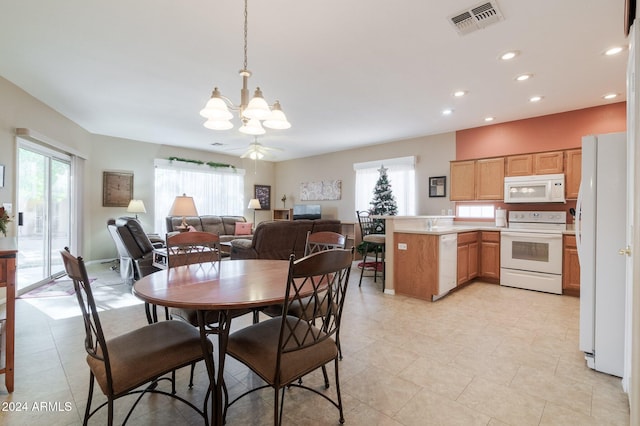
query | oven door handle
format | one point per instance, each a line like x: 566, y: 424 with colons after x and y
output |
x: 532, y: 235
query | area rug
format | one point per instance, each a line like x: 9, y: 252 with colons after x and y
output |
x: 57, y: 288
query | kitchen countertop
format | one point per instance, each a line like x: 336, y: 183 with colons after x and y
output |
x: 419, y: 225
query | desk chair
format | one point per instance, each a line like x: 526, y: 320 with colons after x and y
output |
x: 121, y: 365
x: 373, y: 239
x: 282, y: 350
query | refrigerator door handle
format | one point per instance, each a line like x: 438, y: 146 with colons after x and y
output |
x: 578, y: 224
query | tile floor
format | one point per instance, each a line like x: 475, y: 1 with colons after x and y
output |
x: 484, y: 355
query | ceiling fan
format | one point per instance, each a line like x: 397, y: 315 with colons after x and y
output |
x: 257, y: 151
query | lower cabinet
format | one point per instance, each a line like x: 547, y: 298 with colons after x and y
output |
x: 570, y: 267
x: 416, y: 261
x: 490, y: 256
x: 467, y: 256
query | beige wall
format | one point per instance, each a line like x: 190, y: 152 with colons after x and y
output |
x: 433, y: 154
x: 19, y: 109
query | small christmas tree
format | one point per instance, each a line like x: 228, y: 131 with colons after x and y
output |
x: 384, y: 203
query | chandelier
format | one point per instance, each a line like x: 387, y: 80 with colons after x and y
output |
x: 253, y: 113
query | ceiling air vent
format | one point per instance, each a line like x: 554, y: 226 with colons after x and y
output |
x: 476, y: 17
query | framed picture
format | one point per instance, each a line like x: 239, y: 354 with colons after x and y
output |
x: 438, y: 186
x: 263, y: 194
x: 1, y: 175
x: 117, y: 189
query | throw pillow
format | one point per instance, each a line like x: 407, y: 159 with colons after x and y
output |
x: 243, y: 228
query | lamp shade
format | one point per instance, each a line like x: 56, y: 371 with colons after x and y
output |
x: 277, y: 120
x: 257, y: 107
x: 183, y: 206
x: 136, y: 206
x: 252, y: 127
x: 254, y: 204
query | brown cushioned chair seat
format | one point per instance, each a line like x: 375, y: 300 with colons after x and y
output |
x: 147, y: 352
x: 257, y: 346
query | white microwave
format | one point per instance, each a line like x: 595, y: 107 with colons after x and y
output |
x: 534, y: 189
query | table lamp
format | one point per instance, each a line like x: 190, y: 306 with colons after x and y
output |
x: 183, y: 206
x: 136, y: 206
x: 254, y: 204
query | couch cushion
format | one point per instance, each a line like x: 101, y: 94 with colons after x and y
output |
x: 229, y: 223
x: 212, y: 224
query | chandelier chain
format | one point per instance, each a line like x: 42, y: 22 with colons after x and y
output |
x: 246, y: 24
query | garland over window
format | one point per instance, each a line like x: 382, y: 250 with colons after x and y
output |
x: 208, y: 163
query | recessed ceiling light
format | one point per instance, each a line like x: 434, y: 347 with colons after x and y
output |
x: 535, y: 99
x: 610, y: 96
x: 487, y: 119
x: 523, y: 77
x: 613, y: 50
x: 459, y: 93
x: 509, y: 55
x: 447, y: 111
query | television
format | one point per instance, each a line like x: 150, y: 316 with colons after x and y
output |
x: 307, y: 211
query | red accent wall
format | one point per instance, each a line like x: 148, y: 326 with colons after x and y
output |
x: 546, y: 133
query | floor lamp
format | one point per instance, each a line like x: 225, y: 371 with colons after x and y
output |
x: 254, y: 204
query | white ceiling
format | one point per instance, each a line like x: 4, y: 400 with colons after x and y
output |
x: 347, y: 73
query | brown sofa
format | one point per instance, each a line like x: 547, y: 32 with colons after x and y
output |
x: 278, y: 239
x: 224, y: 226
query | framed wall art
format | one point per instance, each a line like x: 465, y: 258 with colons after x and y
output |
x: 263, y: 194
x: 117, y: 189
x: 438, y: 186
x: 1, y: 175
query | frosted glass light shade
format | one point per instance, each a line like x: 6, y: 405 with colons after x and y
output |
x: 277, y: 120
x: 216, y: 108
x: 252, y: 127
x: 258, y: 107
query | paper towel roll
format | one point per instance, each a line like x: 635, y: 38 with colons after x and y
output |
x: 501, y: 218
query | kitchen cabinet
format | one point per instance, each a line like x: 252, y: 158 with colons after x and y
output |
x: 570, y: 267
x: 416, y: 265
x: 477, y: 179
x: 490, y: 256
x: 540, y: 163
x: 467, y: 257
x: 463, y: 177
x: 490, y: 179
x: 546, y: 163
x: 573, y: 172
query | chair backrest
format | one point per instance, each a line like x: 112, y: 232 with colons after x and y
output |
x: 327, y: 274
x: 94, y: 342
x: 187, y: 248
x: 368, y: 225
x: 323, y: 240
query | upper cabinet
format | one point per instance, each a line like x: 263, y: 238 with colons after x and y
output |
x: 477, y: 179
x: 483, y: 179
x: 573, y: 172
x: 463, y: 178
x: 541, y: 163
x: 490, y: 179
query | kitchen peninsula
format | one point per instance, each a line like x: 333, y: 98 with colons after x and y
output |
x: 414, y: 244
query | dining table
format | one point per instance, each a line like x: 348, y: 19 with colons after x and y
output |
x: 225, y: 286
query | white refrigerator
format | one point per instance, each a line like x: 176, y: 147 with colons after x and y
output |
x: 600, y: 233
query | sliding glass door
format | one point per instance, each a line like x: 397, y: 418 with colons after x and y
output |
x: 44, y: 206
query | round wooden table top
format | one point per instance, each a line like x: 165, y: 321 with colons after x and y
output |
x: 233, y: 284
